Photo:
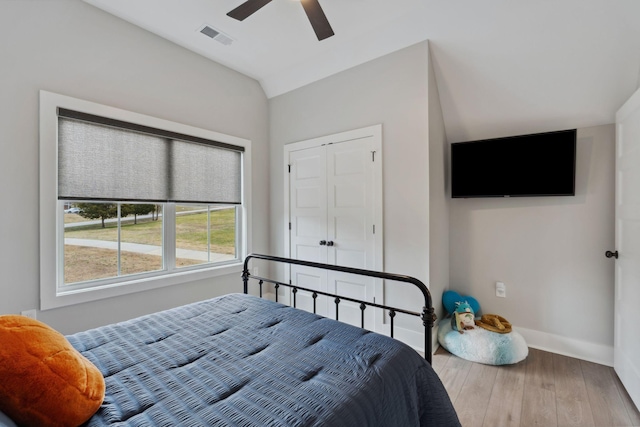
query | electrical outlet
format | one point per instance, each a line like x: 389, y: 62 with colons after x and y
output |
x: 29, y: 313
x: 501, y: 290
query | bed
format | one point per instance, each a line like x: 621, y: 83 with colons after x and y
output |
x: 241, y: 360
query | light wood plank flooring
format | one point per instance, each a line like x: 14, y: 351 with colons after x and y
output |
x: 546, y: 389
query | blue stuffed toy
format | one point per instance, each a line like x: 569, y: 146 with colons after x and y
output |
x: 463, y: 310
x: 450, y: 300
x: 463, y: 317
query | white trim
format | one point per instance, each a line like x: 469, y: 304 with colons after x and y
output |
x: 435, y: 344
x: 50, y: 232
x: 592, y: 352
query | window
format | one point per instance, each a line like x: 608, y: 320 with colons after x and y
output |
x: 131, y: 202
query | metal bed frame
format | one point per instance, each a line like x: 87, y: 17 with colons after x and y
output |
x: 427, y: 314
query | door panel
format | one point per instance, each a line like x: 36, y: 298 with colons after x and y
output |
x: 308, y: 221
x: 309, y: 226
x: 628, y: 175
x: 627, y: 292
x: 311, y: 279
x: 349, y: 312
x: 350, y: 258
x: 350, y: 194
x: 308, y: 204
x: 350, y: 228
x: 350, y: 211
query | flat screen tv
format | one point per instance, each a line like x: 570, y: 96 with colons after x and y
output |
x: 542, y: 164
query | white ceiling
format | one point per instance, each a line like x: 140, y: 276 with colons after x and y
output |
x: 503, y: 67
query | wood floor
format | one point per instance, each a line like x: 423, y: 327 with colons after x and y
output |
x: 546, y: 389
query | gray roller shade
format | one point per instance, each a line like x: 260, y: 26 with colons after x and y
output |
x: 104, y: 159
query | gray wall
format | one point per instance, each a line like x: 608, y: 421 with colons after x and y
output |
x: 548, y: 251
x: 72, y: 48
x: 393, y: 91
x: 439, y: 197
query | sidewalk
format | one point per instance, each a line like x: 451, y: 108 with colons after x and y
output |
x: 147, y: 249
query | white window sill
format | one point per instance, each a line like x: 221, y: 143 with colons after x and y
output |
x: 63, y: 298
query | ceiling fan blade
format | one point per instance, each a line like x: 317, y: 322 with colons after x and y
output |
x: 318, y: 19
x: 247, y: 9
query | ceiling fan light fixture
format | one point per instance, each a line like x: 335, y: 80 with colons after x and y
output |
x: 312, y: 8
x: 318, y: 19
x: 247, y: 9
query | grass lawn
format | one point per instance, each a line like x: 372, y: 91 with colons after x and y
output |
x: 71, y: 218
x: 88, y: 263
x: 191, y: 231
x: 83, y: 263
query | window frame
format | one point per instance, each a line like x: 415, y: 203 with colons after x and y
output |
x: 51, y: 211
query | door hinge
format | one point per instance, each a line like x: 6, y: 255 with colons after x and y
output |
x: 289, y: 226
x: 289, y: 166
x: 374, y: 229
x: 373, y: 156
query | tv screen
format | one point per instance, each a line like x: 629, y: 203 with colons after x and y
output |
x: 541, y: 164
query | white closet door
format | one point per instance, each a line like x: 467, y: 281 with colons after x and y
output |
x: 308, y: 219
x: 350, y: 222
x: 627, y: 277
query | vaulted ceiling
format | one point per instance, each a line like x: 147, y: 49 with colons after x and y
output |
x: 503, y: 67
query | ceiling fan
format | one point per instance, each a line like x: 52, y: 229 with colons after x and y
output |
x: 314, y: 12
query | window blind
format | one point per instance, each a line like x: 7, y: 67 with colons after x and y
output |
x: 105, y: 159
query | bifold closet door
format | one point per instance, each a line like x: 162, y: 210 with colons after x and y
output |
x: 308, y: 222
x: 332, y: 206
x: 350, y: 222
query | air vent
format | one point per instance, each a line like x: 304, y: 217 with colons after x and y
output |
x: 217, y: 35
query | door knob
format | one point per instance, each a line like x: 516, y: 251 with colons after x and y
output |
x: 330, y: 243
x: 323, y: 242
x: 610, y: 254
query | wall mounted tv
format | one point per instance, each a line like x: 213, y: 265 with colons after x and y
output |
x: 542, y: 164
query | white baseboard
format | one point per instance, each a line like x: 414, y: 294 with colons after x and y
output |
x: 434, y: 338
x: 596, y: 353
x: 591, y: 352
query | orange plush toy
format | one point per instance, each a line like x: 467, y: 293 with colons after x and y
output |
x: 44, y: 381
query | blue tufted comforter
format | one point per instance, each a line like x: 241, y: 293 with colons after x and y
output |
x: 238, y: 360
